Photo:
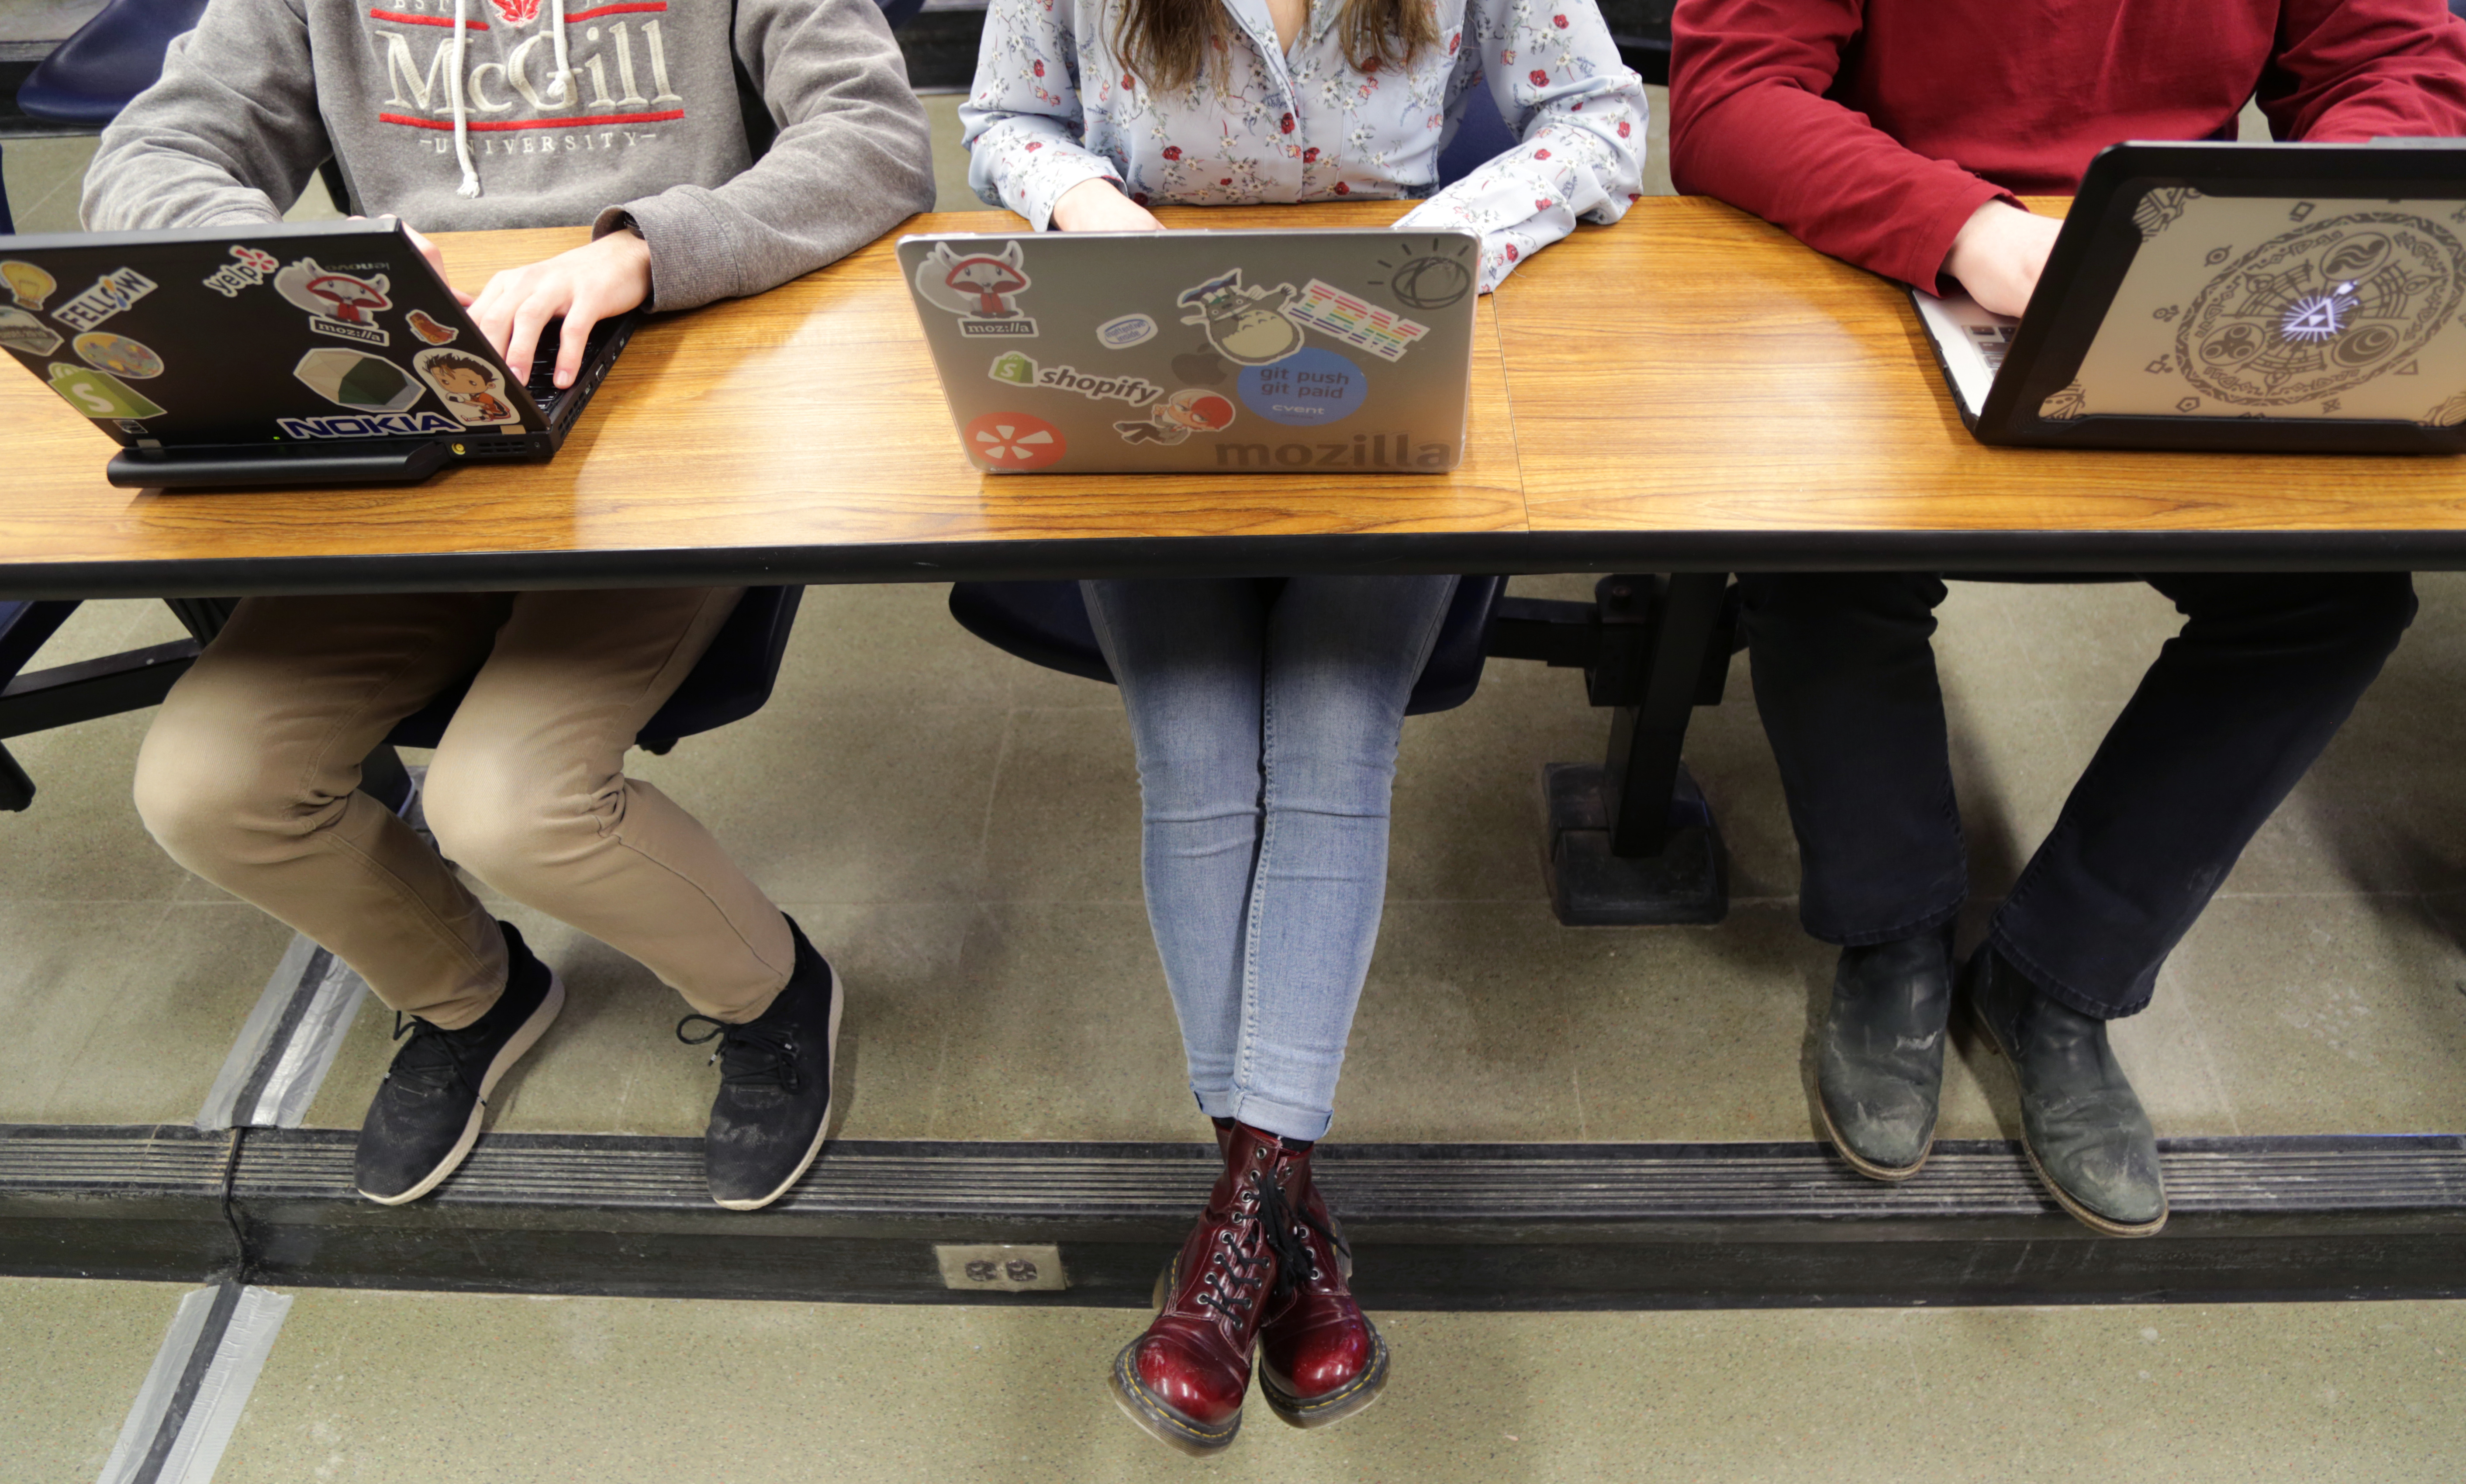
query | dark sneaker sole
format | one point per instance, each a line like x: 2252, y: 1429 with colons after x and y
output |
x: 1889, y: 1173
x: 822, y: 1130
x: 2104, y: 1225
x: 1337, y: 1406
x: 516, y: 1046
x: 1161, y: 1422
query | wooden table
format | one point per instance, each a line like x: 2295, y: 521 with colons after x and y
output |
x: 1689, y: 391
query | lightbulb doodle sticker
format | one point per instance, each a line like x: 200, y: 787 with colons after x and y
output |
x: 426, y: 328
x: 250, y: 266
x: 118, y: 355
x: 1248, y: 326
x: 471, y: 389
x: 109, y: 295
x: 342, y: 304
x: 98, y: 393
x: 357, y: 380
x: 1432, y: 279
x: 982, y: 289
x: 1125, y: 331
x: 1173, y: 421
x: 29, y: 286
x: 1013, y: 442
x: 22, y: 332
x: 1357, y: 320
x: 1312, y: 388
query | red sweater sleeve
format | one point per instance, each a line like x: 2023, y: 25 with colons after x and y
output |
x: 2347, y: 71
x: 1750, y: 124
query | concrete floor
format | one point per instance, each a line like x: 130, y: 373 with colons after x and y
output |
x: 959, y: 832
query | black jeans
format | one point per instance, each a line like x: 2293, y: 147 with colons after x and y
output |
x: 2234, y: 711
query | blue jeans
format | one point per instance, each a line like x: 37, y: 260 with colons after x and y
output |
x: 1265, y: 713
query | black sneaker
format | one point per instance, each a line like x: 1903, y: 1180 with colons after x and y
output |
x: 774, y: 1086
x: 427, y: 1114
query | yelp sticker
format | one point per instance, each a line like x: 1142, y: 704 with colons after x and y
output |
x: 1012, y: 443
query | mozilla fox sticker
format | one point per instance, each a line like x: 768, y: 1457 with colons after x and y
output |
x: 981, y: 288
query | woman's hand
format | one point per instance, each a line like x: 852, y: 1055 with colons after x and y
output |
x: 1999, y: 254
x: 1097, y: 205
x: 585, y: 285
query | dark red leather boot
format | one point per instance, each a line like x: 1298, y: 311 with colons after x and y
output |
x: 1320, y: 1358
x: 1185, y: 1379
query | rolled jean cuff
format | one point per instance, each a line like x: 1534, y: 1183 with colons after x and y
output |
x: 2055, y: 986
x: 1284, y: 1120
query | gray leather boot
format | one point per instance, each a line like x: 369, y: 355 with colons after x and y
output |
x: 2080, y: 1121
x: 1881, y: 1067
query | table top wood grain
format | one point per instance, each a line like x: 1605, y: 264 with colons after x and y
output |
x: 1689, y: 388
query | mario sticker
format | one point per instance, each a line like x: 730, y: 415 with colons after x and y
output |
x: 339, y: 304
x: 1179, y: 416
x: 1250, y: 326
x: 110, y: 294
x: 250, y: 266
x: 357, y: 380
x: 28, y: 284
x: 471, y: 388
x: 1013, y: 442
x: 118, y: 355
x: 98, y: 394
x: 427, y: 329
x: 22, y: 332
x: 981, y: 288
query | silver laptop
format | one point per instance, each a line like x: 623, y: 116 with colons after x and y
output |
x: 1259, y: 352
x: 2263, y: 298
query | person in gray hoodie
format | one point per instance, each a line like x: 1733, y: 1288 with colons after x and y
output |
x: 644, y: 118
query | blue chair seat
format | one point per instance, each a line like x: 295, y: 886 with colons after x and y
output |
x: 88, y: 79
x: 1047, y: 623
x: 731, y: 682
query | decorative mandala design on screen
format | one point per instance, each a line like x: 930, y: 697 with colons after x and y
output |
x: 2322, y: 309
x: 2449, y: 413
x: 2159, y: 208
x: 2066, y: 405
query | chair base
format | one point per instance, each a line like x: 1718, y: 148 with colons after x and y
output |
x: 1590, y: 888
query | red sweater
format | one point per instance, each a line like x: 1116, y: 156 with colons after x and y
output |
x: 1871, y: 130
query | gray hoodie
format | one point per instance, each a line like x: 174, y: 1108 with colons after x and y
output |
x: 560, y: 112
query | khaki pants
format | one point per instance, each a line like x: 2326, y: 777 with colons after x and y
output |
x: 249, y: 774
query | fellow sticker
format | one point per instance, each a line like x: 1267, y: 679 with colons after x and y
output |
x: 1013, y: 442
x: 368, y: 425
x: 1191, y: 409
x: 22, y: 332
x: 1020, y: 370
x: 357, y: 380
x: 1357, y: 320
x: 471, y: 389
x: 981, y: 288
x: 250, y: 266
x: 1130, y: 330
x: 1252, y: 326
x: 98, y: 394
x: 1311, y: 389
x: 342, y: 304
x: 28, y: 284
x: 426, y: 328
x: 1430, y: 281
x: 118, y: 355
x: 109, y: 294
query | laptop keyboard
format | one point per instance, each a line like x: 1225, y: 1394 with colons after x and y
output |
x: 1994, y: 342
x: 542, y: 385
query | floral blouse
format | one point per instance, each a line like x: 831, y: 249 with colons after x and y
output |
x: 1054, y: 107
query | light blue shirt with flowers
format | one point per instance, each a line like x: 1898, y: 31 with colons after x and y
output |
x: 1054, y: 105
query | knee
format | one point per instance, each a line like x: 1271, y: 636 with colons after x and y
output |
x: 1826, y: 607
x: 486, y: 810
x: 2375, y: 610
x: 205, y: 793
x: 2357, y: 616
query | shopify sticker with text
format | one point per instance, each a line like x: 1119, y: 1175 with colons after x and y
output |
x: 98, y: 393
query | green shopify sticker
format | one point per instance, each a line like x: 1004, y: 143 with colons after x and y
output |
x: 98, y: 394
x: 1013, y: 367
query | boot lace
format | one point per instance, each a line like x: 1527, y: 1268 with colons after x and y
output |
x: 432, y: 1060
x: 750, y: 1055
x: 1233, y: 1279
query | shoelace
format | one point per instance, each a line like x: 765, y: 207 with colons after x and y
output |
x: 1233, y: 1279
x: 750, y: 1055
x: 433, y: 1061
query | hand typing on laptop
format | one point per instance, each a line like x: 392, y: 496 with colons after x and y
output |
x: 584, y: 286
x: 1097, y: 205
x: 1999, y: 254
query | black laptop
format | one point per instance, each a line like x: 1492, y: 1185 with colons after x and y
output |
x: 2258, y: 297
x: 319, y: 353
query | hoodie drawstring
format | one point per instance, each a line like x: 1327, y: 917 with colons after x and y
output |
x: 564, y: 69
x: 470, y: 185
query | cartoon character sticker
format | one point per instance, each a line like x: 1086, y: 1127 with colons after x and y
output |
x: 1013, y: 442
x: 471, y: 389
x: 22, y: 332
x: 339, y: 304
x: 118, y: 355
x: 110, y: 294
x: 28, y: 284
x: 1246, y: 326
x: 99, y: 395
x: 1179, y: 416
x: 981, y: 288
x: 426, y: 328
x: 355, y: 379
x: 250, y: 268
